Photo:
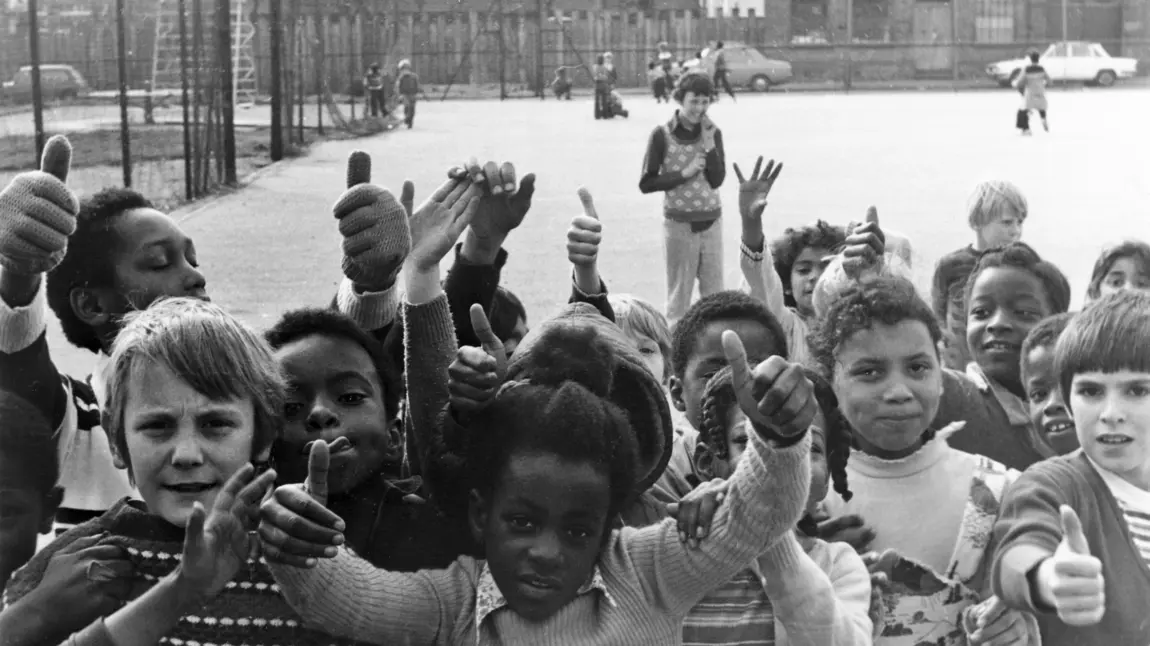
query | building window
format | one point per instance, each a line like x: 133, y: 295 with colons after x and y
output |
x: 871, y: 21
x: 994, y: 21
x: 809, y: 21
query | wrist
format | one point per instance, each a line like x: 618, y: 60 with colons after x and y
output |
x: 753, y: 237
x: 776, y: 439
x: 360, y: 287
x: 423, y: 284
x: 479, y: 249
x: 1039, y: 579
x: 18, y: 290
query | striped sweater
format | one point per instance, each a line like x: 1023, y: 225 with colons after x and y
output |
x: 653, y: 578
x: 249, y: 611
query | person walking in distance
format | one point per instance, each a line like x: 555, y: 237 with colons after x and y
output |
x: 721, y: 71
x: 407, y: 87
x: 1031, y: 85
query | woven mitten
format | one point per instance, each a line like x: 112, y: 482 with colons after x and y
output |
x: 38, y: 213
x: 373, y: 223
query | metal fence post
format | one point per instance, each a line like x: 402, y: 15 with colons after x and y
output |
x: 277, y: 151
x: 182, y: 7
x: 226, y: 88
x: 122, y: 64
x: 37, y: 97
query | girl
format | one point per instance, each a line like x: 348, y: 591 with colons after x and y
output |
x: 552, y: 463
x: 1009, y: 292
x: 930, y: 507
x: 820, y: 599
x: 194, y: 398
x: 1124, y: 266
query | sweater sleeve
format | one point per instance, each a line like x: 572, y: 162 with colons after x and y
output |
x: 652, y: 180
x: 1028, y: 530
x: 716, y: 169
x: 813, y: 606
x: 764, y: 284
x: 468, y: 284
x: 765, y: 499
x: 348, y: 597
x: 94, y: 634
x: 598, y: 301
x: 26, y: 367
x: 370, y: 310
x: 429, y: 341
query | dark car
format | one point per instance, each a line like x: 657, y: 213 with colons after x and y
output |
x: 747, y: 67
x: 56, y: 82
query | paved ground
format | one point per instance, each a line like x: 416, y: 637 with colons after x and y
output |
x: 915, y: 156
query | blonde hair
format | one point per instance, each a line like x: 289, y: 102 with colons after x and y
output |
x: 638, y: 317
x: 991, y: 199
x: 210, y: 350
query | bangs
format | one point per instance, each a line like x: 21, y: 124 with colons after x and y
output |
x: 1112, y: 335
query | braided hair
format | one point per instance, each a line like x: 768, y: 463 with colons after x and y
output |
x: 719, y: 400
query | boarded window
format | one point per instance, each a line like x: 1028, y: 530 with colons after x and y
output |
x: 993, y: 21
x: 871, y: 21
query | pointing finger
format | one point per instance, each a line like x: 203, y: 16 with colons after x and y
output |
x: 407, y: 196
x: 57, y: 157
x: 588, y: 203
x: 491, y: 343
x: 358, y: 168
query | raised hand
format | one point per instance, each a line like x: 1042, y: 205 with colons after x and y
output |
x: 217, y: 544
x: 776, y: 396
x: 501, y: 207
x: 1071, y: 580
x: 296, y: 527
x: 439, y: 221
x: 38, y: 213
x: 585, y: 234
x: 753, y: 192
x: 477, y: 373
x: 864, y: 246
x: 696, y: 510
x: 374, y: 226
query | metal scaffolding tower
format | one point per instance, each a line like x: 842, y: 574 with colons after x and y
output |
x: 166, y: 58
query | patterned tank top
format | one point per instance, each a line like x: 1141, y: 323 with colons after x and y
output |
x: 694, y: 200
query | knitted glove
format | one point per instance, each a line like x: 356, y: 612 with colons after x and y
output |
x: 376, y: 237
x: 38, y: 213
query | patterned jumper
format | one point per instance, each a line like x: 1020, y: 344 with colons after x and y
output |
x: 694, y: 201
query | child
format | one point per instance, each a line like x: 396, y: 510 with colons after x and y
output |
x: 657, y: 79
x: 601, y: 76
x: 1008, y: 293
x: 561, y: 86
x: 1073, y: 544
x: 822, y: 597
x: 647, y: 329
x: 407, y: 88
x: 720, y: 76
x: 932, y: 507
x: 616, y: 104
x: 373, y: 82
x: 1124, y: 266
x: 551, y: 464
x: 1049, y: 416
x: 27, y: 481
x: 342, y: 385
x: 685, y: 161
x: 996, y: 211
x: 194, y: 398
x: 1031, y: 85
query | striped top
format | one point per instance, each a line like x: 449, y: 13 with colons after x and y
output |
x: 1135, y: 506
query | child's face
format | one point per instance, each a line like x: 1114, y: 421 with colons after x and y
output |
x: 707, y: 358
x: 1112, y: 415
x: 694, y: 107
x: 1048, y: 413
x: 182, y: 446
x: 1005, y: 303
x: 543, y: 529
x: 889, y: 383
x: 805, y: 273
x: 1002, y: 230
x: 154, y: 259
x: 1125, y: 274
x: 333, y: 391
x: 25, y: 513
x: 652, y: 356
x: 737, y: 438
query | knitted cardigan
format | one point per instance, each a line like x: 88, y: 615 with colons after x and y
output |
x: 250, y: 610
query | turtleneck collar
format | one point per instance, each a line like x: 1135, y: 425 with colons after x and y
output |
x: 921, y: 460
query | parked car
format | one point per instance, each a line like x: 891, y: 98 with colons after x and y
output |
x: 56, y: 82
x: 746, y: 67
x: 1069, y: 61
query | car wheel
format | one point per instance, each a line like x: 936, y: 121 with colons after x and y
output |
x: 760, y: 83
x: 1105, y: 78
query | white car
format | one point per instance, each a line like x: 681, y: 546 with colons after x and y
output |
x: 1071, y: 61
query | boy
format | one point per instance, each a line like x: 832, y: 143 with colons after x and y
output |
x: 685, y: 161
x: 996, y: 213
x: 1049, y: 418
x: 1073, y: 534
x: 1031, y: 85
x: 657, y: 78
x: 28, y: 490
x: 373, y: 82
x: 407, y: 87
x: 561, y: 86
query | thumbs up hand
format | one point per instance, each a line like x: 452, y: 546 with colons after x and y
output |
x: 38, y: 214
x: 776, y: 396
x: 477, y: 373
x: 296, y: 527
x: 864, y: 246
x: 376, y: 236
x: 585, y: 234
x: 1071, y: 581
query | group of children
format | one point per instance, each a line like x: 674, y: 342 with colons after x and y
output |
x: 406, y: 91
x: 815, y: 458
